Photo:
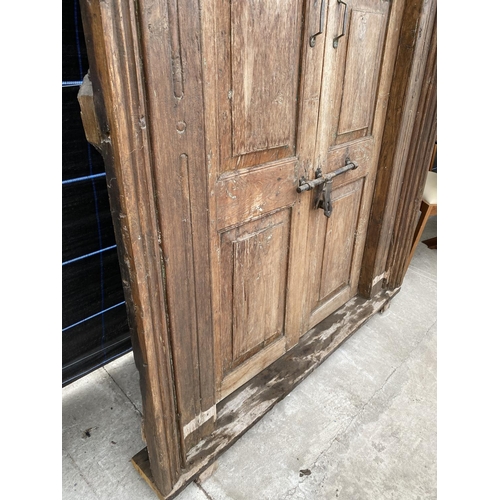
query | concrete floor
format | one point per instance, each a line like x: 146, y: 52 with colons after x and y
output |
x: 361, y: 426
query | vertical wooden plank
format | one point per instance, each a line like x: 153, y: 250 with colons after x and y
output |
x: 116, y: 74
x: 419, y: 158
x: 414, y: 41
x: 297, y: 314
x: 173, y: 72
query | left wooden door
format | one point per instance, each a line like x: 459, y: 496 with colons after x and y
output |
x: 262, y: 88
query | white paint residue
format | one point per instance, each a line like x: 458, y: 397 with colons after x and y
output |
x: 199, y: 420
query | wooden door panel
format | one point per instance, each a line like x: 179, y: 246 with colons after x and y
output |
x: 254, y: 261
x: 357, y: 61
x: 252, y: 192
x: 335, y: 250
x: 338, y: 240
x: 254, y: 268
x: 259, y: 46
x: 365, y: 32
x: 261, y: 109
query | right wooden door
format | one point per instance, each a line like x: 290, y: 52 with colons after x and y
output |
x: 351, y: 119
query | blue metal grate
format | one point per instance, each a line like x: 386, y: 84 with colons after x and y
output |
x: 95, y: 328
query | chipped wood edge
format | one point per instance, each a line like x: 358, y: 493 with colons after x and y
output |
x: 85, y: 97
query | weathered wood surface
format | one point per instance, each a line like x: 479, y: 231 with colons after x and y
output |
x: 245, y: 407
x: 260, y: 112
x: 356, y: 79
x: 414, y: 42
x: 120, y: 108
x: 173, y: 85
x: 422, y: 148
x: 206, y: 128
x: 93, y: 132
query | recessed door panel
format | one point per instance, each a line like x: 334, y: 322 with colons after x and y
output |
x: 254, y: 267
x: 258, y: 261
x: 361, y: 71
x: 339, y: 237
x: 259, y: 50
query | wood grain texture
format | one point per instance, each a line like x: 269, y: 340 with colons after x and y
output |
x: 93, y: 132
x: 251, y: 72
x: 254, y: 268
x: 207, y: 121
x: 365, y: 35
x: 178, y: 162
x: 339, y: 239
x: 264, y: 67
x: 260, y: 258
x: 356, y: 77
x: 119, y: 99
x: 253, y: 192
x: 296, y: 321
x: 258, y: 60
x: 420, y: 156
x: 414, y: 42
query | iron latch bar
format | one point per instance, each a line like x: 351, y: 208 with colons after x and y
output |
x: 324, y: 199
x: 305, y: 185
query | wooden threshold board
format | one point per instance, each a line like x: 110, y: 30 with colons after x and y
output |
x: 242, y: 409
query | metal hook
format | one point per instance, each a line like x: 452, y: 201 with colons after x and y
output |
x: 336, y: 39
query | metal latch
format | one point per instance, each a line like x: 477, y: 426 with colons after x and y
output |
x: 324, y: 197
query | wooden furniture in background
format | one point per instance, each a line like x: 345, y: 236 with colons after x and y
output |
x: 428, y: 208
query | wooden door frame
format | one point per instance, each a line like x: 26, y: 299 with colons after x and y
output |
x: 184, y: 429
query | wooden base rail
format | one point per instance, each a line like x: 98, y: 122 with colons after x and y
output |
x: 246, y: 406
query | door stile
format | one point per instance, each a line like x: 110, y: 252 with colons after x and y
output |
x: 412, y: 42
x: 209, y: 23
x: 173, y: 72
x: 312, y: 70
x: 119, y: 106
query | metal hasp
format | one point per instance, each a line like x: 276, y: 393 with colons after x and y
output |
x: 324, y: 198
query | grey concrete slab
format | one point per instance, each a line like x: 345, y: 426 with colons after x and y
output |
x: 398, y: 335
x: 271, y: 454
x: 416, y: 304
x: 359, y: 367
x: 101, y: 433
x: 74, y: 485
x: 389, y: 451
x: 267, y: 461
x: 424, y: 259
x: 123, y: 371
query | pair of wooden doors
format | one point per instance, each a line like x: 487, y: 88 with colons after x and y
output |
x: 296, y: 91
x: 210, y: 115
